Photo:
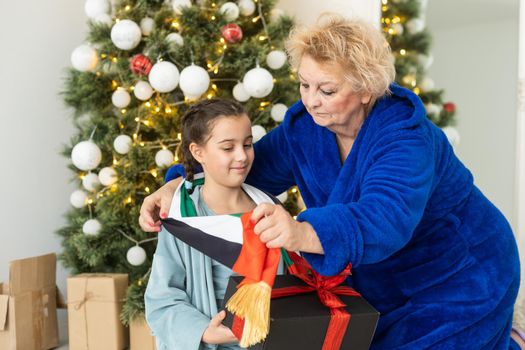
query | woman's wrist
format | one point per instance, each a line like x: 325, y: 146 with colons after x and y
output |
x: 310, y: 242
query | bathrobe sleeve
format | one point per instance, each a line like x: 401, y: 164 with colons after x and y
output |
x: 394, y: 191
x: 169, y: 312
x: 271, y: 170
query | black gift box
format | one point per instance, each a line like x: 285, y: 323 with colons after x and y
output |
x: 300, y: 321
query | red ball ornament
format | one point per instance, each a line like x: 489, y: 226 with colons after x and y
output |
x: 232, y: 33
x: 140, y: 64
x: 449, y: 107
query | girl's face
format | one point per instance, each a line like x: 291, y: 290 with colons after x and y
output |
x: 328, y: 97
x: 227, y: 154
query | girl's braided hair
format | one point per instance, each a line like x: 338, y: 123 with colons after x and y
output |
x: 197, y: 124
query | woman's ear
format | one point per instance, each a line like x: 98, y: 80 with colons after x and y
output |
x: 196, y: 151
x: 365, y: 98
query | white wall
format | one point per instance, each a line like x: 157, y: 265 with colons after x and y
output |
x: 37, y: 38
x: 477, y: 66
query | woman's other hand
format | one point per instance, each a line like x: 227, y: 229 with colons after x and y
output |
x: 217, y: 333
x: 157, y: 205
x: 278, y: 229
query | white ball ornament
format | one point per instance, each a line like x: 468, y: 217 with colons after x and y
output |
x: 91, y: 227
x: 103, y: 18
x: 90, y: 182
x: 283, y: 197
x: 276, y: 14
x: 278, y: 111
x: 258, y: 82
x: 164, y: 158
x: 78, y: 199
x: 164, y: 76
x: 175, y: 38
x: 84, y: 58
x: 179, y: 4
x: 452, y: 135
x: 230, y: 11
x: 126, y: 34
x: 143, y: 90
x: 246, y: 7
x: 147, y: 25
x: 257, y: 132
x: 136, y: 255
x: 86, y: 155
x: 107, y: 176
x: 276, y: 59
x: 120, y: 98
x: 122, y: 144
x: 433, y: 109
x: 426, y: 84
x: 398, y: 28
x: 425, y: 60
x: 415, y: 25
x: 93, y: 8
x: 240, y: 93
x: 194, y: 81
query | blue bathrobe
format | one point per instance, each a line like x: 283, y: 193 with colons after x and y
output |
x: 429, y: 251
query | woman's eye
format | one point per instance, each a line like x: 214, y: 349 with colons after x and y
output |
x: 327, y: 93
x: 305, y: 86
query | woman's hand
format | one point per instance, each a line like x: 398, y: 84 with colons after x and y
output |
x: 217, y: 333
x: 277, y: 229
x: 156, y: 206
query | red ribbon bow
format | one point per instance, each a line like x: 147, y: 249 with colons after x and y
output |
x: 327, y: 289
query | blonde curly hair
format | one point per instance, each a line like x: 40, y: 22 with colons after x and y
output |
x: 360, y: 50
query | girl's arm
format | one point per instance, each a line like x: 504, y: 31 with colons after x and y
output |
x: 169, y: 312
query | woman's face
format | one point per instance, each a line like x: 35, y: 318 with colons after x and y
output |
x: 227, y: 155
x: 328, y: 97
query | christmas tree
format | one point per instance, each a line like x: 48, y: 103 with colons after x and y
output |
x: 143, y: 64
x: 404, y: 28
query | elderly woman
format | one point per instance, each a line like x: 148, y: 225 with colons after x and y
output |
x: 384, y: 192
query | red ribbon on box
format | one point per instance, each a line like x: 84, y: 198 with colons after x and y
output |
x: 327, y: 289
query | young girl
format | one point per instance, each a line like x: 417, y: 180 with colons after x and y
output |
x: 186, y: 287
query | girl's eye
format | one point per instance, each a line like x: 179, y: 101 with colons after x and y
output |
x: 227, y: 149
x: 305, y: 86
x: 248, y: 145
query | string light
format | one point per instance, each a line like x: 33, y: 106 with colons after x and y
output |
x: 146, y: 189
x: 153, y: 172
x: 127, y: 8
x: 123, y: 111
x: 403, y: 52
x: 114, y: 85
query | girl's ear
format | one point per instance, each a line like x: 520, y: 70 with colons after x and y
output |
x: 196, y: 152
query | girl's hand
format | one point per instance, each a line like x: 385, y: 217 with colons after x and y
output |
x: 278, y: 229
x: 156, y: 206
x: 217, y: 333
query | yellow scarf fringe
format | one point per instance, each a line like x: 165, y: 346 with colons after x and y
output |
x: 251, y: 302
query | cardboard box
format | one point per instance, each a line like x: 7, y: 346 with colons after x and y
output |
x: 301, y: 321
x: 140, y: 335
x: 94, y: 306
x: 28, y: 317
